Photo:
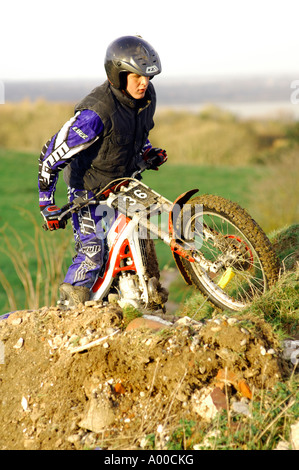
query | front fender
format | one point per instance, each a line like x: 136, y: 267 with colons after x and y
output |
x: 176, y: 249
x: 176, y: 210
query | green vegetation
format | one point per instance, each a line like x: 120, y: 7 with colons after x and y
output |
x: 271, y: 414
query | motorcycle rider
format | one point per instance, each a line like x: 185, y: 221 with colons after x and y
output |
x: 105, y: 139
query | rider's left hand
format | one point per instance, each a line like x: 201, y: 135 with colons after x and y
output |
x: 154, y: 157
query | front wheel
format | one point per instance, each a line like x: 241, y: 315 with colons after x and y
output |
x: 238, y: 260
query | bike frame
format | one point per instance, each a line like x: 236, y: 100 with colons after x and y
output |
x: 136, y: 204
x: 123, y: 245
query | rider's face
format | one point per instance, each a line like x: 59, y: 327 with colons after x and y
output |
x: 137, y: 85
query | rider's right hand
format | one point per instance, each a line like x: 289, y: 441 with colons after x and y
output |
x: 154, y: 157
x: 50, y: 214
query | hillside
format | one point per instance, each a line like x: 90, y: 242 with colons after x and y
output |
x: 221, y: 382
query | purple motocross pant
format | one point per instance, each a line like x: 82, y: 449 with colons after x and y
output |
x: 90, y: 229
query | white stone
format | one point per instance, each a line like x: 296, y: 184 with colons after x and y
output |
x: 24, y: 404
x: 19, y: 344
x: 240, y: 407
x: 295, y: 436
x: 203, y: 404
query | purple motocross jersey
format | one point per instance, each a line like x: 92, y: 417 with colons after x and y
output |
x: 81, y: 131
x: 77, y: 134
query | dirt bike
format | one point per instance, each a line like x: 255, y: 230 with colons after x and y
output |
x: 216, y: 245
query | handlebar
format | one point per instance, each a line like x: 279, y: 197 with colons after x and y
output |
x: 79, y: 202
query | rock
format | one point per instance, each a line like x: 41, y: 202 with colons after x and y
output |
x: 90, y: 303
x: 227, y: 377
x: 83, y: 341
x: 19, y: 344
x: 263, y: 351
x: 74, y: 438
x: 119, y: 388
x: 142, y: 322
x: 99, y: 415
x: 89, y: 439
x: 203, y: 405
x: 291, y: 350
x: 188, y: 321
x: 230, y: 378
x: 244, y: 389
x: 14, y: 317
x: 241, y: 408
x: 24, y: 403
x: 295, y: 436
x: 219, y: 399
x: 216, y: 328
x: 243, y: 330
x: 282, y: 445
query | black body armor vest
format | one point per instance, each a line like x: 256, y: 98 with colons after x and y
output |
x: 127, y: 123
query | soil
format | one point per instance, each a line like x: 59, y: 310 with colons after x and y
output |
x: 144, y: 377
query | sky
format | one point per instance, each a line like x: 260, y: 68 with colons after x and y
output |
x: 63, y: 39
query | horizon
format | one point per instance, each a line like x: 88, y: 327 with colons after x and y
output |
x: 244, y: 97
x: 187, y: 89
x: 292, y: 75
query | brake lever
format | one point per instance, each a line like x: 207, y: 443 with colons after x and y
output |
x: 142, y: 167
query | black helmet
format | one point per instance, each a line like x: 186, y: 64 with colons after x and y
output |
x: 130, y: 54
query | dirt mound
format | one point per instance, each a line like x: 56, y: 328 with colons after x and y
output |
x: 89, y: 378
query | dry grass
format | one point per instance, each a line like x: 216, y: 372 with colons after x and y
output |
x: 211, y: 137
x: 204, y: 139
x: 39, y: 282
x: 277, y: 196
x: 28, y: 125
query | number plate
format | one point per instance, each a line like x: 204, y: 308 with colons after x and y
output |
x: 138, y: 197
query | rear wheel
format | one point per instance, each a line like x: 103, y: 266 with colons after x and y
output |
x: 238, y: 260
